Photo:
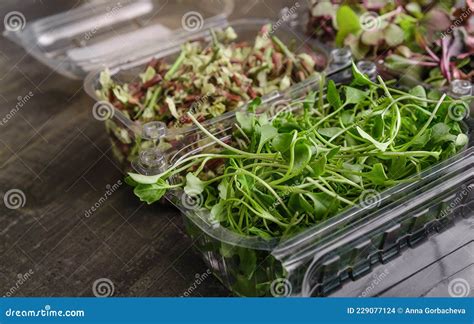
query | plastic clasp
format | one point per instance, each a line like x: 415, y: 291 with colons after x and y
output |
x: 340, y: 56
x: 153, y: 130
x: 150, y: 162
x: 369, y: 68
x: 459, y: 89
x: 340, y: 59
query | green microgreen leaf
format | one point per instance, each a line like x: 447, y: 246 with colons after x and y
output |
x: 150, y: 193
x: 377, y: 174
x: 319, y: 166
x: 194, y: 185
x: 347, y: 23
x: 254, y: 104
x: 329, y: 131
x: 419, y: 92
x: 381, y: 146
x: 303, y: 155
x: 282, y: 142
x: 359, y: 79
x: 354, y: 95
x: 267, y: 133
x: 246, y: 121
x: 333, y: 95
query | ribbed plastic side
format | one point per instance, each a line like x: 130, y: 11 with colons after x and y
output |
x: 320, y: 260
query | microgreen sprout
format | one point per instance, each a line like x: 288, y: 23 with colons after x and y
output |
x: 293, y: 170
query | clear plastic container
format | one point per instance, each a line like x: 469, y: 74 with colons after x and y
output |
x: 344, y: 247
x: 107, y: 32
x: 132, y: 136
x: 124, y: 36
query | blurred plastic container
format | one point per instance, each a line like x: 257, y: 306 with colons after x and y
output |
x: 106, y: 32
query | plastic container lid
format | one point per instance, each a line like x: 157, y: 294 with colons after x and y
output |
x: 105, y: 32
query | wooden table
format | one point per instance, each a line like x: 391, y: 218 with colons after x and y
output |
x: 58, y: 155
